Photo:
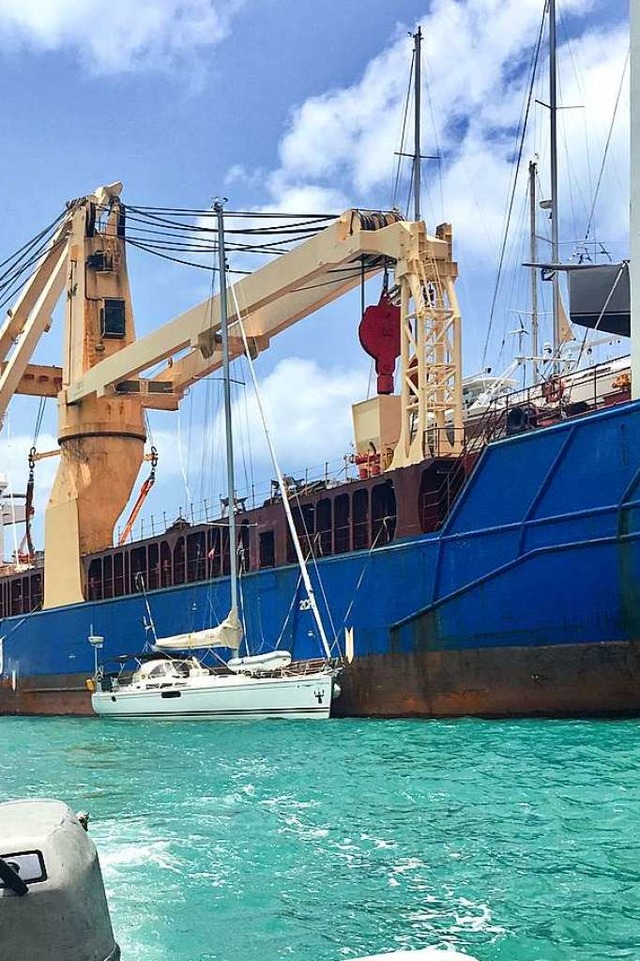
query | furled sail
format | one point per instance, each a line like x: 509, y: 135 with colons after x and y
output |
x: 226, y: 634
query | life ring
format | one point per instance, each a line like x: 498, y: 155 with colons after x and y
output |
x: 553, y: 390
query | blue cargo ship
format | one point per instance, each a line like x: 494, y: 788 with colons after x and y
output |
x: 524, y: 601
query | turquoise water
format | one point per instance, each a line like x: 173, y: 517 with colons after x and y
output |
x: 322, y: 841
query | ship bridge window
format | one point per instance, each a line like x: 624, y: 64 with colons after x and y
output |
x: 360, y: 519
x: 267, y: 549
x: 383, y: 513
x: 341, y: 524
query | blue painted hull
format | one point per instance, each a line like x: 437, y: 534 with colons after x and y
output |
x: 538, y: 563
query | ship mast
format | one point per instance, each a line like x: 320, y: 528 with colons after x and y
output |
x: 553, y: 118
x: 224, y: 332
x: 635, y: 201
x: 417, y: 38
x: 533, y: 253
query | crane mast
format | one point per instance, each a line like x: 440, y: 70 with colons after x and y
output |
x: 101, y: 388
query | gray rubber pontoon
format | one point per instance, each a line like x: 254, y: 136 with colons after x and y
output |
x: 52, y: 901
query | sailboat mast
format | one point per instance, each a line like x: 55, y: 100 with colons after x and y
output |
x: 417, y: 37
x: 285, y: 494
x: 533, y: 253
x: 224, y: 331
x: 553, y: 114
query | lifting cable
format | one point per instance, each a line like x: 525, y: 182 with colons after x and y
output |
x: 29, y: 509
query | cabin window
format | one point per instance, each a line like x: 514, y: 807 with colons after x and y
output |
x: 383, y: 513
x: 95, y: 589
x: 154, y: 567
x: 118, y: 574
x: 113, y: 319
x: 166, y: 574
x: 267, y: 547
x: 196, y: 560
x: 107, y: 576
x: 341, y: 524
x: 323, y: 527
x: 179, y: 562
x: 360, y: 519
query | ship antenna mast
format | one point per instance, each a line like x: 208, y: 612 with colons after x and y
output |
x: 417, y: 39
x: 553, y: 117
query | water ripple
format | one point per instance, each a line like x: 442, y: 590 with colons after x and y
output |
x: 514, y: 841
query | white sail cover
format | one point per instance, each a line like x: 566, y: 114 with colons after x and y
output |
x: 226, y: 634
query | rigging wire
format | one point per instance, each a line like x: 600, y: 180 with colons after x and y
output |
x: 607, y: 145
x: 403, y: 133
x: 522, y: 129
x: 435, y: 137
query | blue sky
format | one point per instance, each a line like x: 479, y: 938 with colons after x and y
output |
x: 289, y: 104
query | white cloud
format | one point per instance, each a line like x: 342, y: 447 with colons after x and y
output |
x: 308, y: 412
x: 339, y: 146
x: 119, y: 35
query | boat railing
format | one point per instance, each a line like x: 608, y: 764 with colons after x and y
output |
x: 300, y: 483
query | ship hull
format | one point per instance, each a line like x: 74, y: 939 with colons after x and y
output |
x: 526, y: 602
x: 556, y: 681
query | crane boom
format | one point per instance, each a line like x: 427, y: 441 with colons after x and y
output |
x: 101, y: 393
x: 272, y: 298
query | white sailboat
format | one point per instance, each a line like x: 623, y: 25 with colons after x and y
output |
x: 255, y: 686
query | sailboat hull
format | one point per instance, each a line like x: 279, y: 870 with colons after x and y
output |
x: 224, y: 698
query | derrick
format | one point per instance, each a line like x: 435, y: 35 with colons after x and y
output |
x: 101, y: 387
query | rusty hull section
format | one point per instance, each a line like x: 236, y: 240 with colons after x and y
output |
x: 552, y: 680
